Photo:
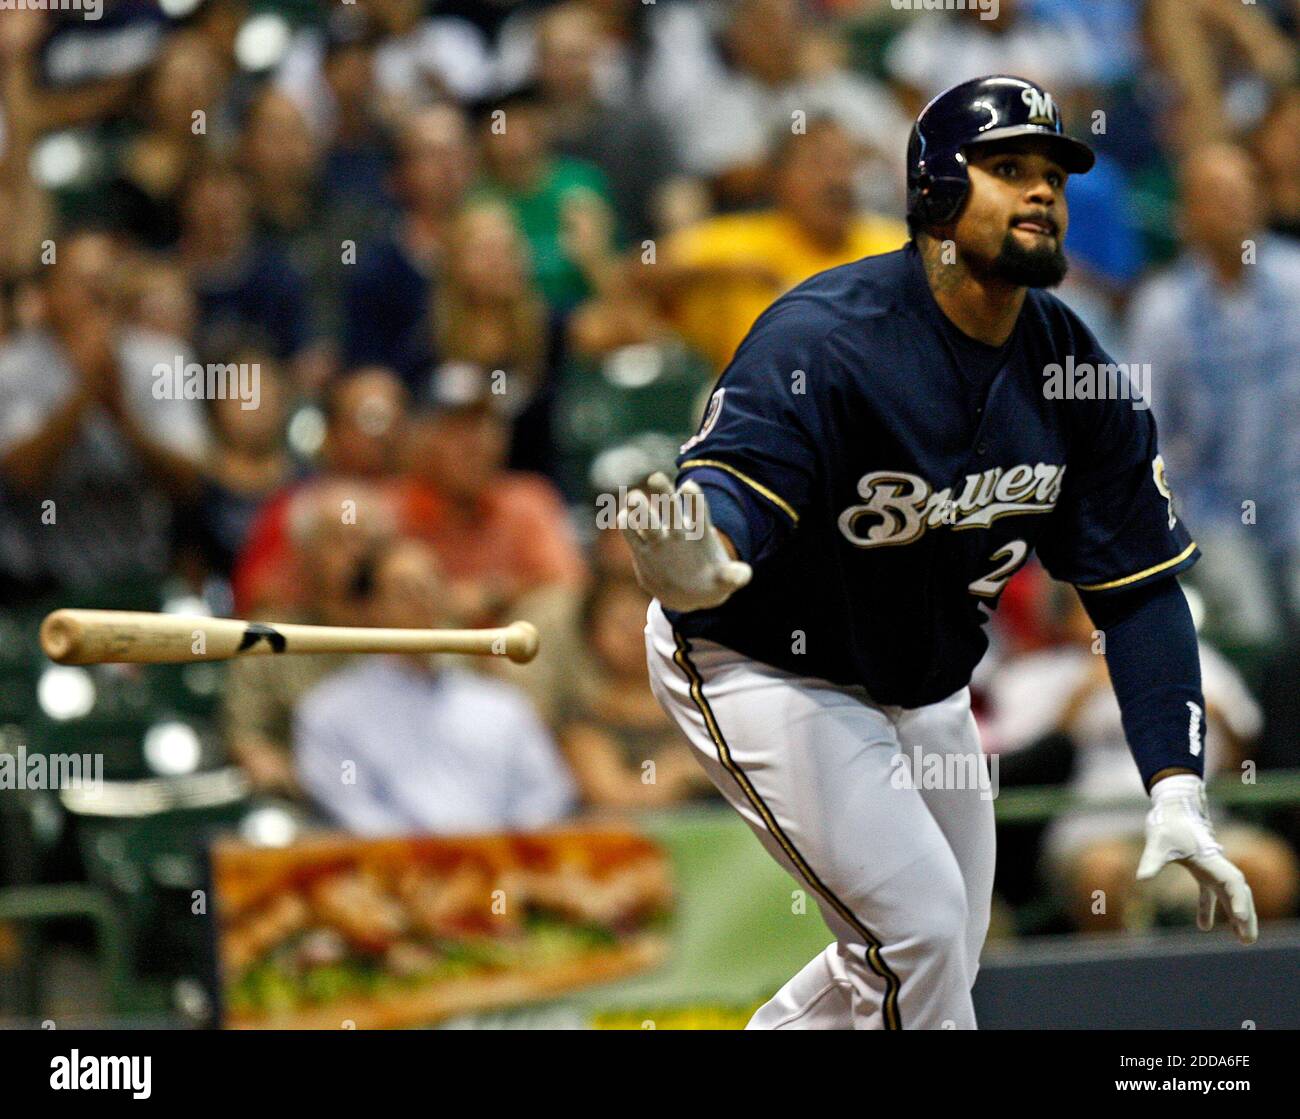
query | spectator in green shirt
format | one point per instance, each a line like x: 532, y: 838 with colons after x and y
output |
x: 562, y: 204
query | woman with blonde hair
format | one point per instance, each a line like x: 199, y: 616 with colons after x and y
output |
x: 487, y: 313
x: 486, y: 310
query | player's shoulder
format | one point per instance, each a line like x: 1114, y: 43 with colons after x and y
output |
x: 862, y: 289
x: 1057, y: 336
x: 856, y: 295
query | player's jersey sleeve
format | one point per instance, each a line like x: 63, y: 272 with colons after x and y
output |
x: 1117, y: 524
x: 760, y: 425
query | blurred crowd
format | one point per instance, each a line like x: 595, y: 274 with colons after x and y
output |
x: 472, y: 265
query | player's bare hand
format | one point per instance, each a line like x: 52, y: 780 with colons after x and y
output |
x: 678, y: 554
x: 1179, y: 830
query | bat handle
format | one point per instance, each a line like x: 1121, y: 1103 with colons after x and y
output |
x: 521, y: 641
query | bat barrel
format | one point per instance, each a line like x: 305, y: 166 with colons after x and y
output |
x: 61, y: 634
x: 125, y: 636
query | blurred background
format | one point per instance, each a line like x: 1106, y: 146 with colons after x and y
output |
x: 474, y: 265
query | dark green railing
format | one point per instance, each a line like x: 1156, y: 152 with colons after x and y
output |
x: 1035, y: 804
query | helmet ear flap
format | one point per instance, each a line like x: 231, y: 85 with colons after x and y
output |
x: 937, y: 185
x: 919, y: 193
x: 957, y: 198
x: 952, y: 205
x: 947, y: 191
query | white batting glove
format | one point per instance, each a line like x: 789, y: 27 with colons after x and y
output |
x: 1178, y: 830
x: 678, y: 554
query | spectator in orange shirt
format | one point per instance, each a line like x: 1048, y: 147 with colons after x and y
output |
x: 722, y: 273
x: 503, y: 537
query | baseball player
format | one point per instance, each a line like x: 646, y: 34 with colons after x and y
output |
x: 879, y: 458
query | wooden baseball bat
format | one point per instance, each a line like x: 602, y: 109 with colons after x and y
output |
x: 124, y: 636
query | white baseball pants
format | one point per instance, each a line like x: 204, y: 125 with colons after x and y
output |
x: 903, y: 874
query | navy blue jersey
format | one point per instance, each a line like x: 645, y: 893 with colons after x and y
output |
x: 912, y: 470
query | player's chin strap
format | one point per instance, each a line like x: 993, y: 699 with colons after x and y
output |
x: 1179, y: 830
x: 678, y: 554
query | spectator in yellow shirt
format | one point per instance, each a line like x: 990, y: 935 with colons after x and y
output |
x: 719, y: 275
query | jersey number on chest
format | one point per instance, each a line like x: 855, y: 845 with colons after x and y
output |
x: 1012, y: 554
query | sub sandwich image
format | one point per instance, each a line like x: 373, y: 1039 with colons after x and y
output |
x: 337, y: 932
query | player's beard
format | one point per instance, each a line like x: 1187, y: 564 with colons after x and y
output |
x: 1031, y: 268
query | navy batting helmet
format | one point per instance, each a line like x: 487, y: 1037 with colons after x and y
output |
x: 978, y: 112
